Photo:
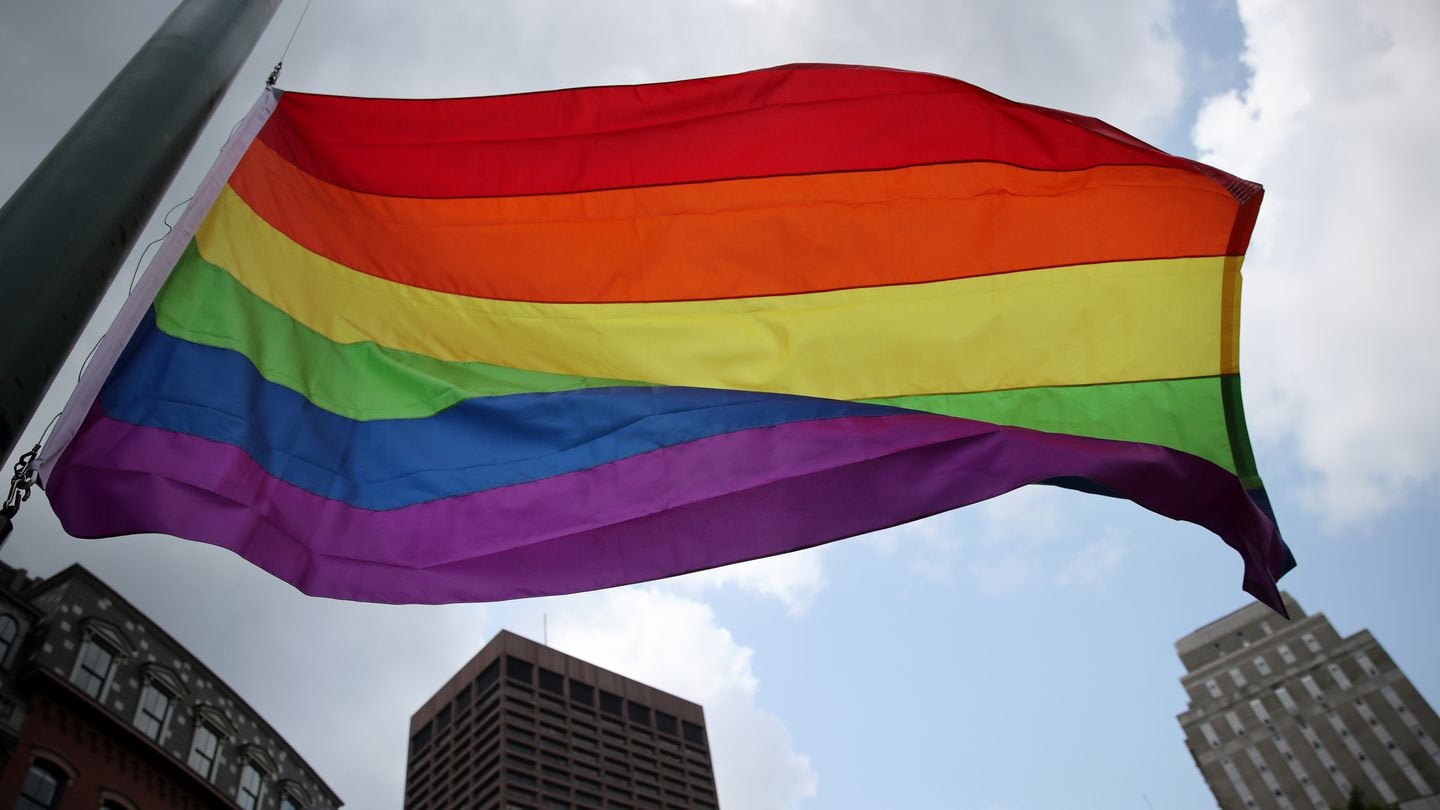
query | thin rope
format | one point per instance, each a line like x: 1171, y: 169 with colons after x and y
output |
x: 135, y: 274
x: 79, y: 375
x: 291, y: 41
x: 46, y: 432
x: 275, y: 74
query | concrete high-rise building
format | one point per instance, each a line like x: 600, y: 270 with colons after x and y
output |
x: 1287, y: 714
x: 101, y: 708
x: 526, y: 726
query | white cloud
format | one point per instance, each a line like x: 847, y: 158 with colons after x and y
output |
x: 1053, y: 52
x: 1339, y: 122
x: 1010, y: 543
x: 1095, y: 564
x: 675, y: 643
x: 933, y: 546
x: 794, y: 580
x: 1016, y: 545
x: 1005, y: 573
x: 311, y: 666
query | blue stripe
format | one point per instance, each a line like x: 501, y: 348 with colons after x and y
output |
x: 478, y: 444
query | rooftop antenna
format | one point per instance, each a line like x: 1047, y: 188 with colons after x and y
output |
x: 1147, y: 801
x: 545, y: 628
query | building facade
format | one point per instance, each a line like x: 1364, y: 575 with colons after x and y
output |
x: 1287, y: 714
x: 101, y: 708
x: 526, y: 727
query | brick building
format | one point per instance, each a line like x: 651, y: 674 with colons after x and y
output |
x: 524, y: 726
x: 1288, y: 714
x: 101, y: 708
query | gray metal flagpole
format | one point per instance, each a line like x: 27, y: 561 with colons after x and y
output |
x: 67, y: 229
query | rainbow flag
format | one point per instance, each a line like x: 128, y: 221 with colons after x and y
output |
x: 487, y: 348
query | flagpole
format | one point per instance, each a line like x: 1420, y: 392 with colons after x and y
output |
x: 67, y: 229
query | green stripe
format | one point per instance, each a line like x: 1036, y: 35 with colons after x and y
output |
x: 1187, y: 415
x: 204, y: 304
x: 1239, y: 436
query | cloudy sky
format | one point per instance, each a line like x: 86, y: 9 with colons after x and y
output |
x: 1013, y: 656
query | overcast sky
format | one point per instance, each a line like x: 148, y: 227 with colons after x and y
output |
x: 1013, y: 656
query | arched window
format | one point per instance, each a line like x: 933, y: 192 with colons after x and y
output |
x: 212, y: 726
x: 92, y: 668
x: 44, y: 783
x: 9, y: 629
x: 248, y: 794
x: 204, y: 750
x: 256, y: 768
x: 105, y: 645
x: 153, y: 711
x: 161, y: 690
x: 292, y: 796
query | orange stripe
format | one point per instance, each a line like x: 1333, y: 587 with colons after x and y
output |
x: 746, y: 238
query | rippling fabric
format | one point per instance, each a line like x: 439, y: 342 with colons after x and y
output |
x: 484, y: 348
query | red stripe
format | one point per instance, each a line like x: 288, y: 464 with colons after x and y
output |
x: 781, y: 121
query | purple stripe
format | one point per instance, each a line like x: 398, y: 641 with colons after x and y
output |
x: 715, y: 501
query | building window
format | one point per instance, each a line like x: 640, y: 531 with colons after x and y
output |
x: 204, y: 748
x: 1367, y: 665
x: 1210, y: 735
x: 1214, y: 689
x: 611, y: 704
x: 153, y: 712
x: 1235, y: 725
x: 1310, y: 642
x: 248, y: 794
x: 9, y: 629
x: 487, y: 678
x: 92, y: 671
x: 41, y: 790
x: 1290, y: 705
x: 583, y: 694
x: 1285, y: 654
x: 552, y: 681
x: 1237, y: 676
x: 1261, y: 665
x: 518, y: 669
x: 421, y: 738
x: 292, y: 796
x: 1260, y: 713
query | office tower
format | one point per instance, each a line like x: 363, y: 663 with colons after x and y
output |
x: 101, y: 708
x: 526, y: 726
x: 1287, y: 714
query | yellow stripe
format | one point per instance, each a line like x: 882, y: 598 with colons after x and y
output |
x: 1100, y: 323
x: 1230, y: 317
